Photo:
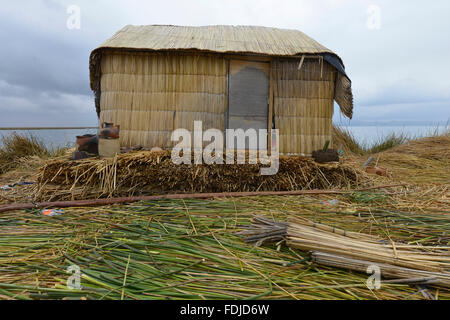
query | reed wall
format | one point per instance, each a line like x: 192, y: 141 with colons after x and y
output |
x: 150, y: 95
x: 303, y: 104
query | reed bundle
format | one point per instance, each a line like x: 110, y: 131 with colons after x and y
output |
x: 405, y: 275
x: 304, y: 234
x: 144, y: 172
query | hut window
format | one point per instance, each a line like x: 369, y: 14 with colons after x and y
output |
x: 248, y: 96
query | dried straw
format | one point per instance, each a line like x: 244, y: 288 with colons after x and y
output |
x: 146, y: 172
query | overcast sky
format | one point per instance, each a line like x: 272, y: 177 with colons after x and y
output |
x: 395, y: 52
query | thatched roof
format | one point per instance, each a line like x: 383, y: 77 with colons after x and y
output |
x: 218, y: 39
x: 223, y: 39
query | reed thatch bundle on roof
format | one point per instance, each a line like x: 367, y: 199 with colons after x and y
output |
x: 154, y: 79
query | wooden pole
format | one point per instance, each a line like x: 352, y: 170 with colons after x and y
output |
x: 109, y: 201
x: 270, y: 116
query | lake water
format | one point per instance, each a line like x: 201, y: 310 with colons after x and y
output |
x: 364, y: 134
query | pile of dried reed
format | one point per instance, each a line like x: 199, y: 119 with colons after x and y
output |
x: 352, y: 250
x: 138, y: 173
x: 421, y: 161
x: 431, y: 148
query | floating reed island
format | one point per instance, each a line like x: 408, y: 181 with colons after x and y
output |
x: 144, y: 172
x: 189, y: 248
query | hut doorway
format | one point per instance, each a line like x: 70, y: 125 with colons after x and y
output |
x: 248, y: 96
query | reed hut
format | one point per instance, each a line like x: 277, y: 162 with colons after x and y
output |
x: 153, y: 79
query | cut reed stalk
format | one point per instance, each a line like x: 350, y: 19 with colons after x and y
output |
x: 303, y: 234
x: 389, y: 271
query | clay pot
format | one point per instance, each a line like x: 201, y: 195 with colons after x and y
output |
x: 82, y: 140
x: 87, y: 143
x: 107, y: 125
